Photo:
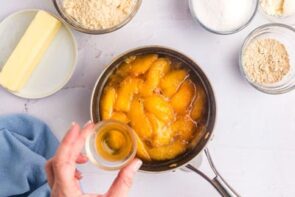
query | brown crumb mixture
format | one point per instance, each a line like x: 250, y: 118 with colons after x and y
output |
x: 266, y: 61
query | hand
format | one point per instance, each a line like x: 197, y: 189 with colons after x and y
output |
x: 63, y: 178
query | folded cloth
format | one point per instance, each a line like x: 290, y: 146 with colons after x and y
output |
x: 25, y: 145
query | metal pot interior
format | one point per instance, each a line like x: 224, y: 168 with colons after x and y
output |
x: 196, y: 74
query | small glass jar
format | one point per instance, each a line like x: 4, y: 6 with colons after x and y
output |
x: 77, y: 26
x: 284, y: 34
x: 121, y: 151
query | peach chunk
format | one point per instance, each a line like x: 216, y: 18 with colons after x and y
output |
x: 141, y: 149
x: 183, y: 128
x: 183, y: 98
x: 199, y: 104
x: 107, y: 102
x: 172, y: 81
x: 124, y: 69
x: 161, y: 108
x: 162, y: 133
x: 139, y: 122
x: 167, y: 152
x: 142, y: 63
x: 126, y: 91
x: 120, y: 116
x: 157, y: 71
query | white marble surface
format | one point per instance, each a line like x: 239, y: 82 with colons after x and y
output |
x: 254, y: 138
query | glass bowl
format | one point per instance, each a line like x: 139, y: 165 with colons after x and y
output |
x: 284, y: 34
x: 77, y: 26
x: 289, y: 19
x: 196, y: 18
x: 95, y: 155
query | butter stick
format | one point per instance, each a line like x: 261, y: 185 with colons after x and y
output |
x: 29, y: 51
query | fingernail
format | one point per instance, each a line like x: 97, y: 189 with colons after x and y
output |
x: 87, y: 123
x: 73, y: 124
x: 137, y: 165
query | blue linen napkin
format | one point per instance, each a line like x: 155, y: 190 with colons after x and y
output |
x: 25, y: 145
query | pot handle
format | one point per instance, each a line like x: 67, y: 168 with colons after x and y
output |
x: 217, y: 182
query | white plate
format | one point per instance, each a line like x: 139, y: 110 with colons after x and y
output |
x: 57, y: 65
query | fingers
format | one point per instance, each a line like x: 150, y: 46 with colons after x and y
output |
x: 63, y: 165
x: 123, y: 182
x: 49, y: 173
x: 73, y: 143
x: 64, y: 150
x: 80, y: 142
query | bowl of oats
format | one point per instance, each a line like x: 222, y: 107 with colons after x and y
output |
x: 267, y: 58
x: 97, y: 16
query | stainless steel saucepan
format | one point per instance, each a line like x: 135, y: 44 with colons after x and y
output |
x: 183, y: 160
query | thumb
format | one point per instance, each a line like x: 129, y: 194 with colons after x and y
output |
x: 123, y: 182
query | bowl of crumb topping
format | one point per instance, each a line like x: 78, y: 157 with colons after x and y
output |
x: 97, y: 16
x: 267, y: 58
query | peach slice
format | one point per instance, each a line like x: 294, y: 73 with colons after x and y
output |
x: 183, y: 98
x: 157, y: 71
x: 142, y: 64
x: 172, y: 81
x: 126, y: 91
x: 167, y: 152
x: 162, y: 133
x: 161, y: 108
x: 183, y: 128
x: 141, y: 149
x: 107, y: 102
x: 139, y: 122
x: 198, y: 104
x: 120, y: 116
x: 124, y: 69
